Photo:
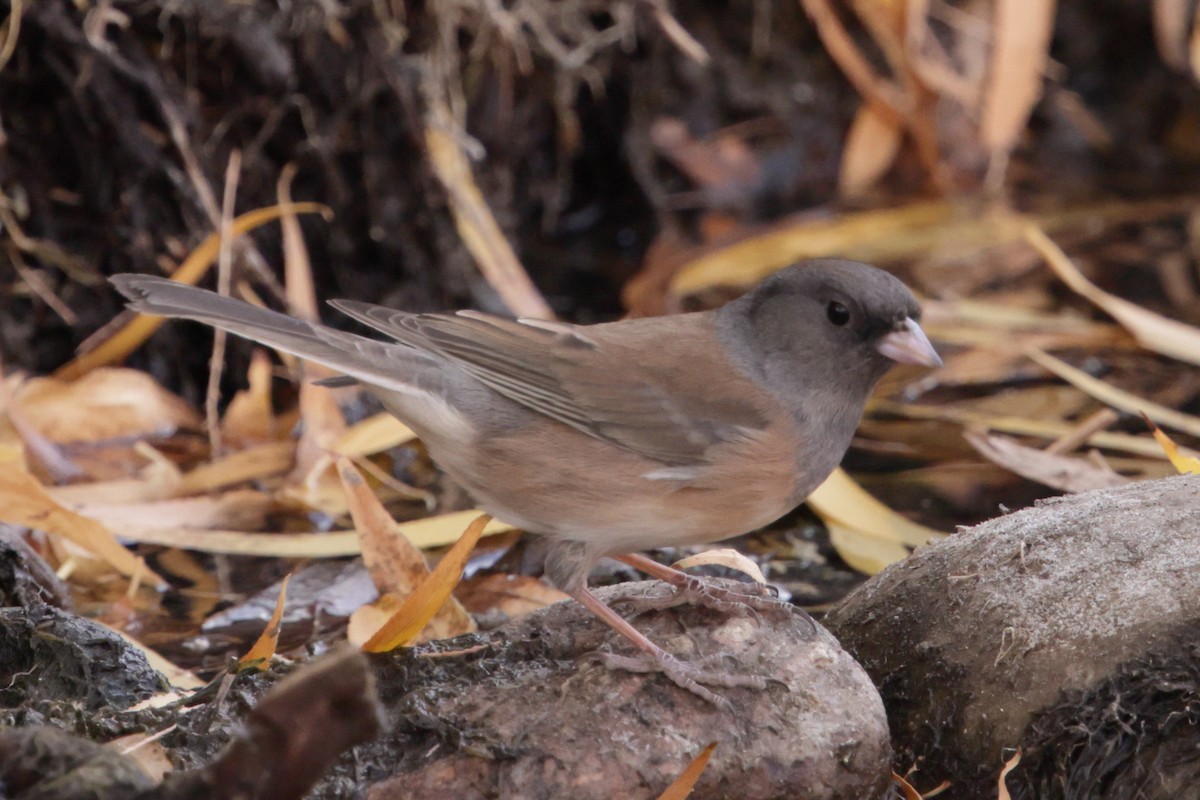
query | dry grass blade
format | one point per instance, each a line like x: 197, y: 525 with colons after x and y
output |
x: 682, y: 786
x: 1117, y: 398
x: 141, y: 328
x: 477, y: 226
x: 421, y: 605
x: 1155, y: 332
x: 260, y: 655
x: 1020, y: 49
x: 24, y: 502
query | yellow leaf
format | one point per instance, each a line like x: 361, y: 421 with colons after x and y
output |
x: 683, y: 785
x: 1185, y: 465
x: 421, y: 605
x: 260, y: 655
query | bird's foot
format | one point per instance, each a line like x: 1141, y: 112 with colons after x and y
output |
x: 708, y: 593
x: 692, y: 677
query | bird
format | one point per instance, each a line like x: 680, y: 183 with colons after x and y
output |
x: 613, y: 438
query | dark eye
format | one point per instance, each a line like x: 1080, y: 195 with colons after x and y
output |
x: 838, y: 314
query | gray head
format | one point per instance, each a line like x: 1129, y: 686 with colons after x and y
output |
x: 827, y: 325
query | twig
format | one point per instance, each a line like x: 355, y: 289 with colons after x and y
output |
x: 212, y: 419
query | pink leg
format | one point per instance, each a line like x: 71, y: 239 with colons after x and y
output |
x: 686, y: 676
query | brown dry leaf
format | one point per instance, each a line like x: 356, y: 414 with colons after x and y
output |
x: 105, y: 404
x: 419, y: 607
x: 723, y: 557
x: 24, y: 502
x: 1154, y: 331
x: 1117, y: 398
x: 1184, y: 465
x: 396, y: 566
x: 140, y: 328
x: 1066, y: 473
x: 476, y: 225
x: 869, y: 150
x: 511, y: 595
x: 682, y: 786
x: 1009, y: 766
x: 259, y: 656
x: 1021, y: 31
x: 249, y: 419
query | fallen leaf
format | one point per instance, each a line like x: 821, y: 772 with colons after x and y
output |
x: 723, y: 557
x: 1066, y: 473
x: 259, y: 656
x: 1184, y: 465
x: 683, y: 785
x: 395, y: 565
x: 419, y: 607
x: 841, y: 500
x: 24, y: 502
x: 105, y: 404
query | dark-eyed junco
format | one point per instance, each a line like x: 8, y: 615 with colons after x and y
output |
x: 614, y: 438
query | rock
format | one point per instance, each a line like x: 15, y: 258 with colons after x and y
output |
x: 527, y: 714
x: 1069, y: 629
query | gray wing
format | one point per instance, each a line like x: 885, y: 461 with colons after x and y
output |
x: 580, y: 377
